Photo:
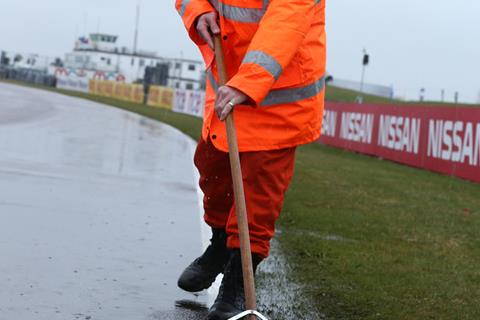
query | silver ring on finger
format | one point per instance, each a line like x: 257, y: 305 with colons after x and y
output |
x: 231, y: 104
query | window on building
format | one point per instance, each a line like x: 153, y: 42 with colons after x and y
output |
x: 191, y: 67
x: 189, y: 86
x: 178, y: 65
x: 142, y: 62
x: 133, y: 61
x: 177, y: 85
x: 109, y: 61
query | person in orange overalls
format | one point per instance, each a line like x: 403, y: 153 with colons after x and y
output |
x: 275, y: 56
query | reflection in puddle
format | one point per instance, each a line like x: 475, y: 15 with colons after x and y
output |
x: 184, y: 310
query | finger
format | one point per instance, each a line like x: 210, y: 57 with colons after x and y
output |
x: 220, y: 95
x: 226, y: 111
x: 220, y: 107
x: 212, y: 24
x: 209, y: 40
x: 224, y: 96
x: 219, y: 110
x: 202, y: 29
x: 222, y: 101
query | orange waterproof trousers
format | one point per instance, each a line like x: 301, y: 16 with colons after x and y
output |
x: 266, y: 177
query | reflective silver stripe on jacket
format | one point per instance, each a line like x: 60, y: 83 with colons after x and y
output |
x: 212, y: 80
x: 183, y: 7
x: 283, y: 96
x: 266, y: 61
x: 239, y: 14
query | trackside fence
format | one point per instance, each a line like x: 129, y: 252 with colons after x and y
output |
x: 440, y: 139
x: 178, y: 100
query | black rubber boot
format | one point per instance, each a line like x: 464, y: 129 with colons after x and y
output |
x: 231, y: 297
x: 203, y: 271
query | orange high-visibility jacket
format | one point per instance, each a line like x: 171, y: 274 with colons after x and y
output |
x: 275, y: 53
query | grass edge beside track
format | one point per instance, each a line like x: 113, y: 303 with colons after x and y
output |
x: 371, y: 239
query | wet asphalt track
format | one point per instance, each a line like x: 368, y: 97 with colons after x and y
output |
x: 99, y: 212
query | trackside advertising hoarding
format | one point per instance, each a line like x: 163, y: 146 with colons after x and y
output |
x: 441, y: 139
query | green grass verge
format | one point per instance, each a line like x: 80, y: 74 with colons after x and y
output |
x: 375, y: 240
x: 371, y: 239
x: 335, y: 94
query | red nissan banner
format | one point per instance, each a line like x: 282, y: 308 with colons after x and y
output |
x: 436, y: 138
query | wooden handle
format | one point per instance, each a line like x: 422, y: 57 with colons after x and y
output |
x: 239, y: 193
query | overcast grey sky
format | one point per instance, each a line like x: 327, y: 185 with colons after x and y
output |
x: 413, y: 43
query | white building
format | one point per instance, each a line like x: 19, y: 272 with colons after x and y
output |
x: 27, y: 60
x: 99, y: 56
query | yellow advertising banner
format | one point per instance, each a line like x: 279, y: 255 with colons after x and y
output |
x: 108, y: 87
x: 177, y: 100
x: 118, y: 91
x: 130, y: 92
x: 101, y: 88
x: 92, y: 86
x: 127, y: 92
x: 137, y: 93
x: 160, y: 97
